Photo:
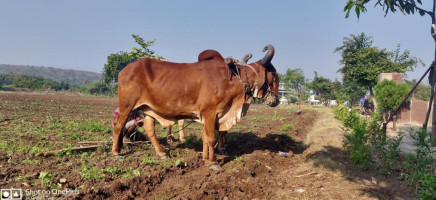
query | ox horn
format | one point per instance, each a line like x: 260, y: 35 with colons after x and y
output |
x: 268, y: 57
x: 246, y: 58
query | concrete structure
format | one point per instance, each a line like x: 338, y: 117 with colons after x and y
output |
x: 397, y: 77
x: 414, y: 112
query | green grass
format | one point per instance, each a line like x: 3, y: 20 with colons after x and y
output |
x: 91, y: 173
x: 287, y: 127
x: 257, y: 118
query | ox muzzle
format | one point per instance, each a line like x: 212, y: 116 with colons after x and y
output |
x: 271, y: 100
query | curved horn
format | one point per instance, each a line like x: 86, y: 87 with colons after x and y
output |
x: 246, y: 58
x: 268, y: 57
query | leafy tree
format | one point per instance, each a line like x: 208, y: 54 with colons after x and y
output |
x: 363, y: 62
x: 422, y: 91
x: 117, y: 62
x: 389, y: 95
x: 353, y: 91
x: 323, y: 87
x: 144, y: 51
x: 6, y: 79
x: 405, y: 7
x: 294, y: 82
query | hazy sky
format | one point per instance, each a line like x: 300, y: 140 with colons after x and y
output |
x: 81, y: 34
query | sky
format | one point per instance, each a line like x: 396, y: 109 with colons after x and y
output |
x: 81, y: 34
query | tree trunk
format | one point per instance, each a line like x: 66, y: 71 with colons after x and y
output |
x: 373, y: 98
x: 433, y: 127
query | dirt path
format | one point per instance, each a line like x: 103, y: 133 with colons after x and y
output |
x: 331, y: 174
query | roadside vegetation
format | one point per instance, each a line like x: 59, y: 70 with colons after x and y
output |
x: 368, y: 147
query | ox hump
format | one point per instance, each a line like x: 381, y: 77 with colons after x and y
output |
x: 209, y: 55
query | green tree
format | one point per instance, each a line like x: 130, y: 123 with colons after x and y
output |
x: 323, y: 87
x: 422, y: 91
x: 116, y: 62
x: 144, y: 51
x: 294, y: 82
x: 389, y: 95
x: 353, y: 91
x: 362, y: 63
x: 405, y: 7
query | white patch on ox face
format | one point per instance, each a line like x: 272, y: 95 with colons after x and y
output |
x: 255, y: 93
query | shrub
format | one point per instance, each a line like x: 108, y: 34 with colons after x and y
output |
x: 364, y: 139
x: 340, y: 112
x: 427, y: 190
x: 356, y: 138
x: 389, y: 95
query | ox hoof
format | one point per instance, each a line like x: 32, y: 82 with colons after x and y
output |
x: 116, y: 153
x: 164, y: 157
x: 215, y: 167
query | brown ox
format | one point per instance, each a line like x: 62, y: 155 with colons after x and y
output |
x: 213, y: 91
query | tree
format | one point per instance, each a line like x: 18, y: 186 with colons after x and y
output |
x: 353, y: 91
x: 363, y: 62
x: 117, y: 62
x: 406, y: 7
x: 322, y: 86
x: 294, y: 81
x: 389, y: 95
x: 422, y: 92
x: 144, y: 51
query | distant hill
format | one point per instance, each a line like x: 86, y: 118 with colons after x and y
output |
x: 70, y: 76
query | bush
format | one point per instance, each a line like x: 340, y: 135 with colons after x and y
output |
x: 427, y: 190
x: 340, y: 112
x: 389, y: 95
x: 364, y: 139
x: 97, y: 88
x: 355, y: 140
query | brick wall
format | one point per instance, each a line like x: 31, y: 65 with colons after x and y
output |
x: 414, y: 112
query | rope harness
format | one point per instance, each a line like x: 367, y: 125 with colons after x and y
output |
x: 247, y: 88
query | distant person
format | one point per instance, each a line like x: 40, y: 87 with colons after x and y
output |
x: 130, y: 132
x: 362, y: 101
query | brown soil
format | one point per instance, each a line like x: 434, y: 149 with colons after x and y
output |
x: 316, y: 168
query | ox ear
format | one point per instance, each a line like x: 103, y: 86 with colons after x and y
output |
x: 231, y: 64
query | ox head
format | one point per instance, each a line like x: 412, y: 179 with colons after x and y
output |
x: 264, y: 82
x: 270, y: 89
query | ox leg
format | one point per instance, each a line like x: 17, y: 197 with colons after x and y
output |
x: 149, y: 129
x: 210, y: 140
x: 222, y: 143
x: 169, y: 135
x: 205, y: 147
x: 120, y: 122
x: 181, y: 132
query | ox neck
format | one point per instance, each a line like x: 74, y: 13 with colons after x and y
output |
x: 248, y: 76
